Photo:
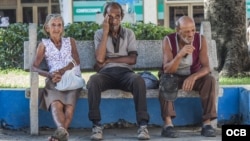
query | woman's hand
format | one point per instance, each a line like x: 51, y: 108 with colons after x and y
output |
x: 56, y: 77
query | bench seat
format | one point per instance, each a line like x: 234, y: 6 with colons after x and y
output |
x: 149, y: 58
x: 116, y: 93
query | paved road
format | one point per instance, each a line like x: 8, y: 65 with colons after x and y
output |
x: 115, y: 134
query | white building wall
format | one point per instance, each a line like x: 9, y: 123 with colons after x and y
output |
x: 66, y: 11
x: 150, y: 11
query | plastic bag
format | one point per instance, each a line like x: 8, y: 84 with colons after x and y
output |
x: 70, y: 81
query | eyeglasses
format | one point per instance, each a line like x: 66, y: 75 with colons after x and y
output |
x: 117, y: 17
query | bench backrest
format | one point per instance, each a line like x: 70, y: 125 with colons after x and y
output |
x: 149, y: 53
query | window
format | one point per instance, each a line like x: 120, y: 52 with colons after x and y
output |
x: 34, y: 1
x: 175, y: 12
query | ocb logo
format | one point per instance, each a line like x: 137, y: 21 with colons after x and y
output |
x: 236, y: 132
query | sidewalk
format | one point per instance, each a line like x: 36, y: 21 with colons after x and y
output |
x: 114, y: 134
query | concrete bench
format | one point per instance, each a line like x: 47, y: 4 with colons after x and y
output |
x: 149, y: 58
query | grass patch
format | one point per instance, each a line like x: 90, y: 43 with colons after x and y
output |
x: 18, y: 78
x: 234, y: 81
x: 14, y: 78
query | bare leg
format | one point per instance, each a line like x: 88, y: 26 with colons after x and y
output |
x: 62, y: 116
x: 69, y: 111
x: 57, y: 111
x: 168, y: 121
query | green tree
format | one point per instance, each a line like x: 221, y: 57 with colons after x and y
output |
x: 11, y: 45
x: 228, y: 25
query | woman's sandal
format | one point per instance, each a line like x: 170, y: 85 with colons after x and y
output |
x: 60, y: 134
x: 53, y: 138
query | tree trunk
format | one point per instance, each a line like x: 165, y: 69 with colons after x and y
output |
x: 228, y: 25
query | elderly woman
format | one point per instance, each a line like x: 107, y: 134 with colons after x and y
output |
x: 59, y: 52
